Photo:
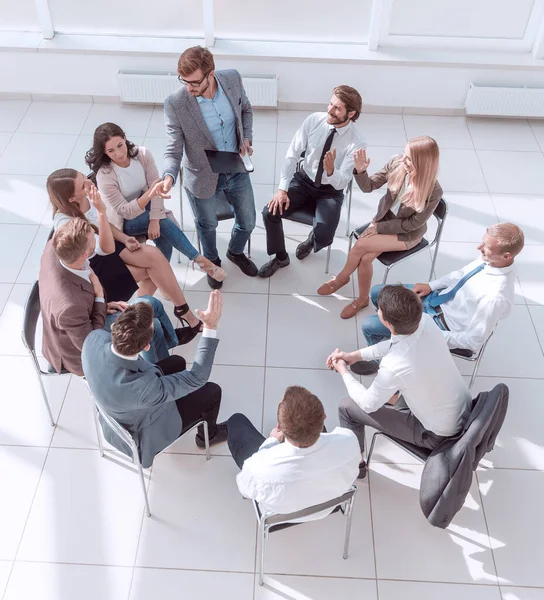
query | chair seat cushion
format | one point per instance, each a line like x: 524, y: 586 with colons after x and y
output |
x: 223, y: 209
x: 390, y: 258
x: 462, y: 352
x: 304, y: 215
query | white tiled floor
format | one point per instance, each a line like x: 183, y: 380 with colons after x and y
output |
x: 72, y: 524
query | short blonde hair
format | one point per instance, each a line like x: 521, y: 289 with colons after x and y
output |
x: 509, y: 236
x: 72, y: 239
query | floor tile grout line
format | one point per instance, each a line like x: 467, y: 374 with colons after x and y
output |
x: 540, y: 343
x: 488, y: 532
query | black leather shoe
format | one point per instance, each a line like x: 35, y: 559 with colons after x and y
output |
x: 213, y: 283
x: 304, y: 249
x: 363, y: 367
x: 362, y: 470
x: 220, y: 435
x: 269, y: 268
x: 248, y: 267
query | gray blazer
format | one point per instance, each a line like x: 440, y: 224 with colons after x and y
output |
x: 447, y: 475
x: 188, y: 134
x: 138, y: 395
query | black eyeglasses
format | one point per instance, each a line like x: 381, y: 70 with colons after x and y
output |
x: 192, y: 83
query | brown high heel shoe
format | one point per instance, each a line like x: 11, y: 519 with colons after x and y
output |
x: 331, y: 286
x: 209, y: 268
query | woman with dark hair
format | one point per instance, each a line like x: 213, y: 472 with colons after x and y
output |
x: 129, y: 182
x: 120, y: 262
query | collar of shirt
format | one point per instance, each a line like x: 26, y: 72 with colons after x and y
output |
x: 340, y: 131
x: 114, y: 351
x: 84, y: 273
x: 218, y: 92
x: 489, y: 270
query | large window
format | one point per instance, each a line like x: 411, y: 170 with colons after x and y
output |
x: 18, y: 15
x: 498, y: 19
x: 293, y: 20
x: 160, y: 18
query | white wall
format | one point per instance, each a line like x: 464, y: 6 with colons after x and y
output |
x: 299, y: 81
x: 428, y: 51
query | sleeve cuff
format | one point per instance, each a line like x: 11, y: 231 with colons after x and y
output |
x: 268, y: 443
x: 99, y: 300
x: 209, y: 333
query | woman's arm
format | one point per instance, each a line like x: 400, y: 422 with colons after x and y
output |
x: 152, y: 177
x: 108, y: 185
x: 106, y: 242
x: 416, y: 221
x: 369, y: 183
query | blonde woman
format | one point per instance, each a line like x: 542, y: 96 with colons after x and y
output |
x: 400, y: 221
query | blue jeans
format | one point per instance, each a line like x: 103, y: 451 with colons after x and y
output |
x: 239, y: 194
x: 164, y: 335
x: 374, y: 330
x: 171, y: 235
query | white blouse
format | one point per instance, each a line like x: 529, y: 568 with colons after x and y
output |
x: 91, y: 215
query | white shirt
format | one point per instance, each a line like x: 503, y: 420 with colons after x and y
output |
x: 84, y: 273
x: 131, y: 179
x: 478, y: 306
x: 284, y: 478
x: 91, y: 215
x: 311, y: 138
x: 421, y: 367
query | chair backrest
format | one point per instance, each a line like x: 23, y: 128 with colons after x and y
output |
x: 275, y: 518
x: 30, y: 318
x: 440, y: 213
x: 116, y: 427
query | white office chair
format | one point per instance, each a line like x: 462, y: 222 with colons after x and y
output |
x: 126, y: 438
x: 269, y: 521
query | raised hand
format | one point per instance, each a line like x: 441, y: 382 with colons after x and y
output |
x: 328, y: 162
x: 360, y: 160
x: 210, y: 317
x: 95, y: 199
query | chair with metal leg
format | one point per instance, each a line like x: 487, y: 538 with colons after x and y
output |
x: 305, y: 215
x: 102, y: 418
x: 30, y: 322
x: 223, y: 211
x: 470, y: 356
x: 390, y: 259
x: 268, y: 522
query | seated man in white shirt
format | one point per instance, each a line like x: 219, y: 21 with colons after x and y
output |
x: 326, y: 142
x: 466, y: 304
x: 298, y: 466
x: 415, y: 364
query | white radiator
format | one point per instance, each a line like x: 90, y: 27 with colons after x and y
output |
x: 505, y: 101
x: 152, y: 87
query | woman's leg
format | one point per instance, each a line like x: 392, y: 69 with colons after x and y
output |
x: 160, y: 272
x: 145, y: 286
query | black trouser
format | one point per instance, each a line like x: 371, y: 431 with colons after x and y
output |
x: 243, y: 438
x: 201, y: 405
x: 325, y: 200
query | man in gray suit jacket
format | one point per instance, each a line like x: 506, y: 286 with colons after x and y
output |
x: 155, y: 403
x: 211, y: 112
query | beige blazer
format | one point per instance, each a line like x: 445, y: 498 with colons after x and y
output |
x: 69, y: 313
x: 117, y: 207
x: 408, y: 224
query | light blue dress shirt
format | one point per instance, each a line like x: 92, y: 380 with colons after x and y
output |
x: 219, y: 118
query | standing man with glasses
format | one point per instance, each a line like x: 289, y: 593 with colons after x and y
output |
x: 326, y: 142
x: 211, y: 112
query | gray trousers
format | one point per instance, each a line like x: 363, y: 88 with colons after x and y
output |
x: 397, y: 421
